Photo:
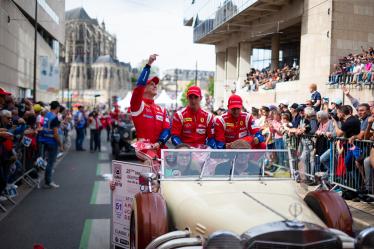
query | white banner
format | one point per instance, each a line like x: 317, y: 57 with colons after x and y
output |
x: 49, y: 75
x: 126, y: 179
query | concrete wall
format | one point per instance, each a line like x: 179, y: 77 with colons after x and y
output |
x: 297, y: 91
x: 48, y: 23
x: 17, y: 52
x: 329, y: 30
x: 315, y: 43
x: 352, y: 27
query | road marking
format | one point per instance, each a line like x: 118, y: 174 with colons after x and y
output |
x: 96, y: 234
x: 85, y: 234
x: 101, y: 193
x: 104, y: 148
x: 103, y: 156
x: 103, y: 168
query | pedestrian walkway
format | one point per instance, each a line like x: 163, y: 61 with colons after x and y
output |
x: 77, y: 215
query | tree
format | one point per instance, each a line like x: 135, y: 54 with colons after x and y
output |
x: 211, y: 86
x: 184, y: 96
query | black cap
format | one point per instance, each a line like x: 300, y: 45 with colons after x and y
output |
x: 54, y: 104
x: 294, y: 106
x: 300, y: 108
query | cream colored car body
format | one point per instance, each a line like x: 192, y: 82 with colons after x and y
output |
x: 210, y: 205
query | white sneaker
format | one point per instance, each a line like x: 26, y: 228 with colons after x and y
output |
x: 51, y: 185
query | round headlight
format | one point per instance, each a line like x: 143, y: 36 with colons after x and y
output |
x: 223, y: 240
x: 126, y: 135
x: 365, y: 239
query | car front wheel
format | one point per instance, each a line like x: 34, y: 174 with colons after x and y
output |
x: 148, y: 219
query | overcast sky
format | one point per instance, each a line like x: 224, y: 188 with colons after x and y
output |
x: 143, y: 27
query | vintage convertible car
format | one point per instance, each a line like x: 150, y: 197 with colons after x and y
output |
x: 237, y: 199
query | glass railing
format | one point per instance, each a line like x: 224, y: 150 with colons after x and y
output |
x: 211, y: 14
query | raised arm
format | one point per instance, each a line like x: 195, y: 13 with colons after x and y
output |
x: 137, y: 95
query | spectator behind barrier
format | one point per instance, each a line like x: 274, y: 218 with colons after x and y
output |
x: 268, y: 79
x: 354, y: 69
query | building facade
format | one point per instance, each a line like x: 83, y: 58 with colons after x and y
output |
x: 311, y: 34
x: 90, y: 66
x: 17, y: 39
x: 185, y: 76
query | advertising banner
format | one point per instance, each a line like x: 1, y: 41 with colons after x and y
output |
x: 49, y: 75
x: 126, y: 179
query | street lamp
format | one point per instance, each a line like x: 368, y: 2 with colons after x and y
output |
x: 176, y: 88
x: 35, y: 48
x: 96, y: 96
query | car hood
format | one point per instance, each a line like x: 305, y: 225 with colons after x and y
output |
x: 236, y: 206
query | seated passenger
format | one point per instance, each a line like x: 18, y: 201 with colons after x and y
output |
x: 184, y: 163
x: 243, y: 165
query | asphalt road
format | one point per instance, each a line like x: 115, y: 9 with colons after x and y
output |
x: 77, y: 215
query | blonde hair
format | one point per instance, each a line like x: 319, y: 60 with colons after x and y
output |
x: 313, y: 86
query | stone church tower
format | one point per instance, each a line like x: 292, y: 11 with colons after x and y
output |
x: 89, y: 62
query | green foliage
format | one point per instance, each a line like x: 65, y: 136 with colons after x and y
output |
x: 184, y: 96
x: 211, y: 86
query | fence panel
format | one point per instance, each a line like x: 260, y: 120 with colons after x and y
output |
x: 347, y: 165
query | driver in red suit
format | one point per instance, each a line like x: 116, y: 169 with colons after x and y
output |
x: 192, y: 125
x: 114, y: 115
x: 235, y: 125
x: 150, y: 120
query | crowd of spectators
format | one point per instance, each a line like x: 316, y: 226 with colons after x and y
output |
x: 28, y: 143
x: 21, y: 121
x: 308, y: 129
x: 267, y: 79
x: 354, y: 69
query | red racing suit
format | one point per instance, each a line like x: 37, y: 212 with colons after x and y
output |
x: 150, y: 120
x: 114, y: 115
x: 192, y: 128
x: 228, y: 129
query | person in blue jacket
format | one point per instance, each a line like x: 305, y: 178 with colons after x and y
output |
x: 80, y: 126
x: 50, y: 138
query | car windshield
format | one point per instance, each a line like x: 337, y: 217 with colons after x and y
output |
x: 225, y: 164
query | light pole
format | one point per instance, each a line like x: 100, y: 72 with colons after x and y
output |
x: 35, y: 48
x: 196, y: 74
x: 96, y: 96
x: 176, y: 88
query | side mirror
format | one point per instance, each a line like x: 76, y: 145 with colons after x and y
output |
x: 365, y: 239
x: 146, y: 181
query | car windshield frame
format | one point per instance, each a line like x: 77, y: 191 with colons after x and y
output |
x: 232, y: 176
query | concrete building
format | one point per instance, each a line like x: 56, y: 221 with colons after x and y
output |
x: 89, y: 61
x: 184, y: 77
x: 17, y: 22
x: 310, y: 33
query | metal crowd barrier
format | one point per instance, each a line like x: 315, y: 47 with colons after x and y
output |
x: 25, y: 158
x: 347, y: 165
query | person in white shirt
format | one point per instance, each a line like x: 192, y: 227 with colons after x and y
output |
x: 357, y: 71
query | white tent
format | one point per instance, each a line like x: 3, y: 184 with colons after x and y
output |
x: 125, y: 102
x: 164, y: 100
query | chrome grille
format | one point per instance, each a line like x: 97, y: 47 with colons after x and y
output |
x: 327, y: 244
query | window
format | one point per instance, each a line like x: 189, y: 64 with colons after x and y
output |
x: 261, y: 58
x: 49, y: 11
